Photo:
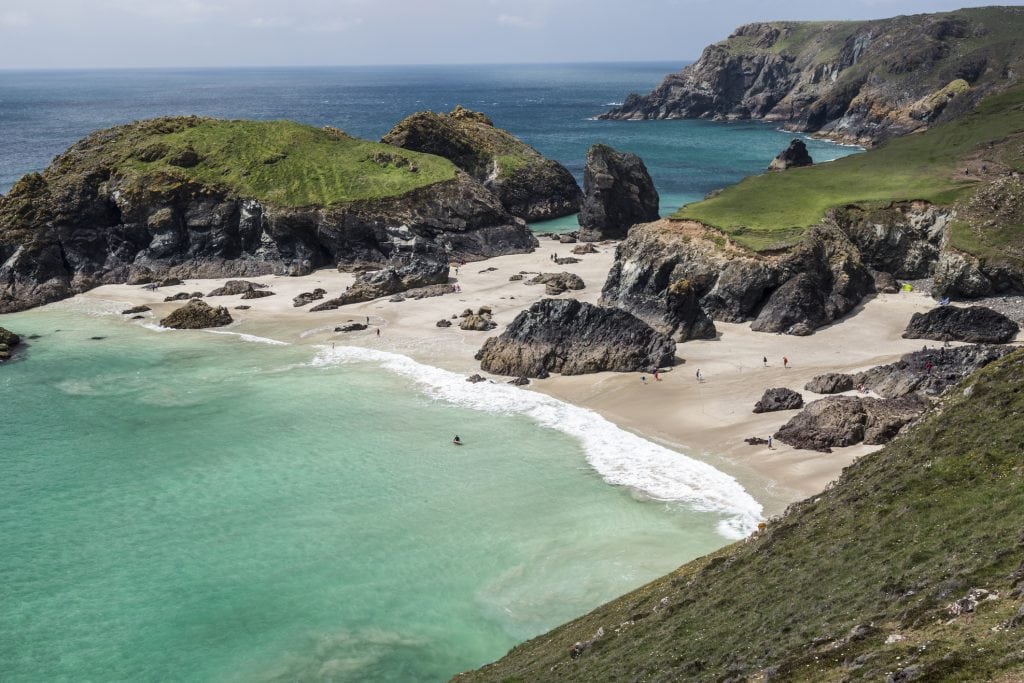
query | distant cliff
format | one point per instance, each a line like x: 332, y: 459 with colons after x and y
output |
x: 196, y: 197
x: 861, y: 82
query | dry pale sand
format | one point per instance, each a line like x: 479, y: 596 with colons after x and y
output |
x: 708, y: 420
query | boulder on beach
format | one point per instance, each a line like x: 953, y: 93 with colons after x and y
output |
x: 556, y: 283
x: 422, y: 271
x: 136, y: 309
x: 574, y: 338
x: 975, y: 324
x: 196, y: 315
x: 830, y: 383
x: 236, y: 287
x: 779, y: 399
x: 257, y: 294
x: 477, y: 323
x: 350, y: 327
x: 308, y: 297
x: 847, y: 420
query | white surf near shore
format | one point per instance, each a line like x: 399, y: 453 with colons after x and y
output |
x: 620, y: 457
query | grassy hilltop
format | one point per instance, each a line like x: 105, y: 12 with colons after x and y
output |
x: 853, y: 584
x: 280, y: 162
x: 771, y: 210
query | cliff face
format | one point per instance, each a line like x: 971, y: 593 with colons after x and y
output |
x: 100, y: 215
x: 794, y: 291
x: 861, y: 82
x: 528, y: 185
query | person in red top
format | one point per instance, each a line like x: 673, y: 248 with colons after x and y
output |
x: 785, y: 362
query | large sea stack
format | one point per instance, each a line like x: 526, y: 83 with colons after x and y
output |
x: 618, y: 193
x: 196, y: 197
x: 527, y: 185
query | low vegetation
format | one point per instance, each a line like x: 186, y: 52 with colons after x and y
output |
x: 866, y: 581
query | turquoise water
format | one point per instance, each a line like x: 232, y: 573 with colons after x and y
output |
x: 193, y: 507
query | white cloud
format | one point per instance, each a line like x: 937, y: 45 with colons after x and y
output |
x: 14, y: 19
x: 269, y: 22
x: 179, y: 11
x: 516, y: 21
x: 333, y: 25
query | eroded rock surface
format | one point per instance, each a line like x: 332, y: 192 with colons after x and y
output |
x: 847, y: 420
x: 976, y: 324
x: 196, y: 315
x: 779, y: 398
x: 618, y: 193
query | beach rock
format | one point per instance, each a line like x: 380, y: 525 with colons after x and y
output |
x: 257, y: 294
x: 519, y: 381
x: 585, y: 248
x: 444, y: 322
x: 617, y: 193
x: 170, y: 282
x: 397, y: 299
x: 683, y: 313
x: 477, y: 323
x: 476, y: 379
x: 308, y: 297
x: 794, y: 156
x: 242, y: 308
x: 515, y: 278
x: 484, y: 310
x: 528, y: 186
x: 236, y: 287
x: 196, y: 315
x: 136, y: 309
x: 847, y: 420
x: 422, y: 271
x: 429, y: 291
x: 570, y: 337
x: 929, y: 373
x: 779, y: 399
x: 830, y: 383
x: 567, y: 238
x: 976, y: 324
x: 350, y: 327
x: 180, y: 296
x: 885, y: 283
x: 8, y: 340
x: 138, y: 317
x: 756, y: 441
x: 566, y: 260
x: 556, y: 283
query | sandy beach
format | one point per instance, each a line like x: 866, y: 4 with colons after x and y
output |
x: 708, y: 419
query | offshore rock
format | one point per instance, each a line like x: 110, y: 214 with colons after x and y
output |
x: 847, y: 420
x: 8, y: 340
x: 529, y: 186
x: 574, y: 338
x: 196, y: 315
x: 976, y: 324
x: 779, y: 399
x: 617, y: 193
x: 794, y: 156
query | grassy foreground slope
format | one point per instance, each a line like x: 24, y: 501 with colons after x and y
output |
x: 853, y: 584
x: 281, y: 162
x: 770, y: 210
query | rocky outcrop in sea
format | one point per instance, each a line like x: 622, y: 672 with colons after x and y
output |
x: 574, y: 338
x: 197, y: 315
x: 8, y: 340
x: 618, y: 193
x: 528, y: 186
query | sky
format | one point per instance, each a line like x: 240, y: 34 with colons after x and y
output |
x: 196, y: 33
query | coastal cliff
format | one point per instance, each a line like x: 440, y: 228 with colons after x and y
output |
x: 528, y: 185
x: 196, y: 197
x: 855, y: 81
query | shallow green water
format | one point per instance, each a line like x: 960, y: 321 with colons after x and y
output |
x: 193, y: 507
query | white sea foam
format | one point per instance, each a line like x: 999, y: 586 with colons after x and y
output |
x: 613, y: 104
x: 250, y: 337
x: 620, y: 457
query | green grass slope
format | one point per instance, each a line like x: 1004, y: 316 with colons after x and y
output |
x: 769, y: 211
x: 280, y: 162
x: 853, y: 584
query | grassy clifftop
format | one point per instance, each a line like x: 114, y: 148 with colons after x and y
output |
x: 770, y: 210
x: 280, y: 162
x: 853, y: 584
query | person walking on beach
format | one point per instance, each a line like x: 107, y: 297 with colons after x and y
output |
x: 643, y: 379
x: 367, y: 320
x: 764, y: 359
x: 785, y: 362
x: 656, y: 377
x: 378, y: 331
x: 700, y: 378
x: 770, y: 442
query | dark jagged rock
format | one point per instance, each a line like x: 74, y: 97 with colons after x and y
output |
x: 528, y: 185
x: 779, y: 399
x: 885, y: 283
x: 444, y: 322
x: 243, y: 307
x: 755, y: 441
x: 476, y: 379
x: 566, y: 260
x: 136, y: 309
x: 566, y: 238
x: 83, y: 223
x: 928, y: 373
x: 257, y: 294
x: 858, y: 81
x: 847, y: 420
x: 519, y: 381
x: 794, y: 156
x: 515, y: 278
x: 617, y: 193
x: 8, y: 340
x: 196, y: 315
x: 138, y: 317
x: 308, y: 297
x: 830, y: 383
x: 475, y: 322
x: 350, y: 327
x: 976, y: 324
x: 429, y: 291
x: 170, y: 282
x: 556, y: 283
x: 585, y: 248
x: 570, y: 337
x: 236, y: 287
x: 683, y: 314
x: 422, y: 271
x: 180, y: 296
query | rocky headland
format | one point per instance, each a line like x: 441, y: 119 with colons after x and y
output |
x: 527, y: 185
x: 195, y: 197
x: 856, y: 81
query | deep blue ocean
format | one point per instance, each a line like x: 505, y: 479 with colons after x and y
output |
x: 187, y: 506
